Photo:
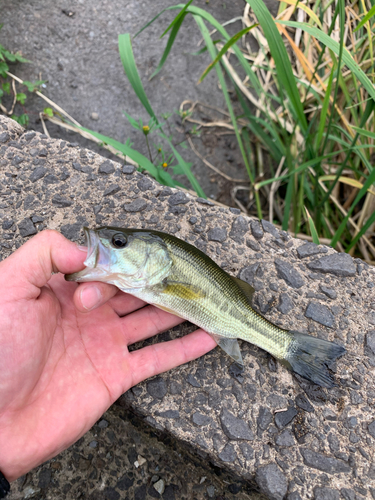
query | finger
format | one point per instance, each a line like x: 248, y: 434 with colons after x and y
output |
x: 158, y: 358
x: 30, y: 267
x: 147, y: 322
x: 124, y: 303
x: 89, y: 296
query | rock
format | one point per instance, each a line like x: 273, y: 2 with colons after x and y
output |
x: 256, y: 229
x: 228, y: 454
x: 239, y: 228
x: 253, y: 245
x: 27, y: 228
x: 235, y: 428
x: 327, y: 464
x: 72, y: 231
x: 179, y: 198
x: 128, y: 169
x: 309, y: 249
x: 200, y: 419
x: 103, y: 424
x: 270, y: 228
x: 7, y: 224
x: 169, y: 414
x: 285, y: 304
x: 157, y: 388
x: 348, y: 494
x: 106, y: 167
x: 283, y: 418
x: 159, y: 486
x: 192, y: 380
x: 60, y: 201
x: 370, y: 341
x: 217, y: 234
x: 145, y: 184
x: 45, y: 477
x: 4, y: 137
x: 111, y: 494
x: 264, y: 418
x: 136, y: 206
x: 286, y: 439
x: 288, y: 273
x: 112, y: 189
x: 339, y: 264
x: 320, y: 313
x: 37, y: 174
x: 271, y: 481
x: 371, y: 428
x: 326, y: 494
x: 330, y: 292
x: 50, y: 179
x: 303, y: 403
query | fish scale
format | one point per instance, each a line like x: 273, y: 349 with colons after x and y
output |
x: 177, y: 277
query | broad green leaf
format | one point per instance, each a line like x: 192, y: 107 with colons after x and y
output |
x: 21, y: 97
x: 48, y: 111
x: 128, y: 62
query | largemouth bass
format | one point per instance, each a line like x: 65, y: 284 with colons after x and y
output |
x: 177, y: 277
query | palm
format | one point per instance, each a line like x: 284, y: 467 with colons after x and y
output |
x: 66, y: 367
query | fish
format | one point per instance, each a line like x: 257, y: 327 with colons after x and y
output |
x: 175, y: 276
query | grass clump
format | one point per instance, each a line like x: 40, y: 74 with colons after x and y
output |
x: 306, y: 98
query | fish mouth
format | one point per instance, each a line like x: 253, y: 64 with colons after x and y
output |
x: 91, y: 272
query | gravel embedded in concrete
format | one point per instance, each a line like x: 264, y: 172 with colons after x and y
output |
x: 333, y: 429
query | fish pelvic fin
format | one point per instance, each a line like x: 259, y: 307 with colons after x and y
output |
x: 230, y: 346
x: 310, y: 357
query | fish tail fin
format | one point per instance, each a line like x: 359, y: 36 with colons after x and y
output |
x: 310, y: 357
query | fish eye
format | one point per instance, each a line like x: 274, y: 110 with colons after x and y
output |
x: 119, y: 240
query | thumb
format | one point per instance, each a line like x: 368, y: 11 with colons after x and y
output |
x: 30, y: 267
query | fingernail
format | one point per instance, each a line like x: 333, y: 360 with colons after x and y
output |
x: 82, y: 248
x: 90, y: 297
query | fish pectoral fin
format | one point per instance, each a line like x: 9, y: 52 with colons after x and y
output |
x: 230, y: 346
x: 247, y: 289
x: 182, y: 290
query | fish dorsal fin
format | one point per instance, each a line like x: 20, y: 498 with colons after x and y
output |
x: 183, y: 290
x: 247, y: 289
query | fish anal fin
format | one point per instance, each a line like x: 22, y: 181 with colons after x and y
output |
x: 183, y: 290
x: 230, y: 346
x: 247, y: 289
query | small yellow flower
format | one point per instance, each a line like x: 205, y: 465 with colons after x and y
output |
x: 165, y: 165
x: 146, y: 129
x: 159, y: 150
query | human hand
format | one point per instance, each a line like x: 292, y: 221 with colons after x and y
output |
x: 61, y: 365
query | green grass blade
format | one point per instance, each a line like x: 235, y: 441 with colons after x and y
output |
x: 367, y: 17
x: 347, y: 59
x: 179, y: 18
x: 324, y: 111
x: 284, y: 70
x: 186, y: 168
x: 314, y: 233
x: 229, y: 44
x: 128, y: 62
x: 150, y: 22
x: 171, y: 39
